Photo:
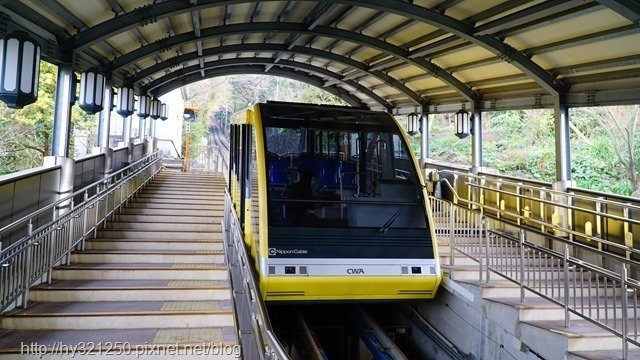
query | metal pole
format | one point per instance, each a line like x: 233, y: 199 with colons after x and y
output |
x: 625, y: 318
x: 65, y: 97
x: 567, y: 321
x: 522, y: 236
x: 104, y: 124
x: 424, y: 137
x: 476, y: 141
x: 141, y: 127
x: 126, y: 130
x: 486, y: 252
x: 563, y: 155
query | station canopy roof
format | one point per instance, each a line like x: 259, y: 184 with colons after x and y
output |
x: 398, y: 55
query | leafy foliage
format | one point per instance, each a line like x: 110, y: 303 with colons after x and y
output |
x: 605, y: 146
x: 27, y: 133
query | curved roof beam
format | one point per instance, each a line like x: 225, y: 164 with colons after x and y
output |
x: 282, y: 48
x: 258, y: 70
x: 271, y: 27
x: 466, y: 31
x: 459, y: 28
x: 266, y: 61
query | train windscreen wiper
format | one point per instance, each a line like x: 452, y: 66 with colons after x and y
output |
x: 392, y: 219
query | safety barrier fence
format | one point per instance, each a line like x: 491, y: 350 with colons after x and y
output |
x: 211, y: 159
x: 603, y: 221
x: 256, y: 334
x: 30, y: 260
x: 606, y: 298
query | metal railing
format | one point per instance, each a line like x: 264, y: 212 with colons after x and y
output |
x: 607, y: 225
x: 30, y: 260
x: 210, y: 160
x: 254, y: 328
x: 608, y: 299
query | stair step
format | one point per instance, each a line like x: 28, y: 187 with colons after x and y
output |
x: 508, y: 289
x: 135, y: 320
x: 471, y: 272
x: 130, y: 211
x: 582, y: 335
x: 176, y: 227
x: 151, y: 256
x: 537, y: 308
x: 145, y: 244
x: 169, y: 218
x: 168, y: 235
x: 180, y: 200
x: 176, y: 206
x: 127, y: 290
x: 634, y: 353
x: 142, y: 271
x: 139, y: 339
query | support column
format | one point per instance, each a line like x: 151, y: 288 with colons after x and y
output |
x: 561, y: 215
x: 126, y: 130
x: 563, y: 147
x: 424, y: 138
x: 141, y: 127
x: 152, y: 128
x: 104, y: 124
x: 65, y: 97
x: 476, y: 141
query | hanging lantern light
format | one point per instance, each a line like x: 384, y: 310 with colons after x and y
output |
x: 19, y: 69
x: 144, y: 106
x: 463, y: 124
x: 413, y: 123
x: 92, y: 84
x: 163, y: 112
x: 155, y: 109
x: 125, y: 102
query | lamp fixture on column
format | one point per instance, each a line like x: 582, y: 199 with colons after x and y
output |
x: 155, y: 109
x: 463, y: 124
x: 19, y: 69
x: 163, y: 112
x: 92, y: 91
x: 413, y: 123
x: 125, y: 102
x: 144, y: 106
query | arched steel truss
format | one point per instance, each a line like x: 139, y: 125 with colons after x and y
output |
x: 461, y: 32
x: 259, y: 69
x: 265, y: 61
x: 458, y: 28
x: 281, y: 48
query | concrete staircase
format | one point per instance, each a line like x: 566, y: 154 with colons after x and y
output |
x: 153, y: 281
x: 506, y: 328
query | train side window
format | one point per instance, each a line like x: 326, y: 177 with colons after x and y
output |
x: 401, y: 160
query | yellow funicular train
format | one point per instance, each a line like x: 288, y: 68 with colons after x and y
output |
x: 332, y: 204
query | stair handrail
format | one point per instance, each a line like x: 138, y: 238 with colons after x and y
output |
x: 250, y: 292
x: 69, y: 197
x: 31, y: 259
x: 483, y: 207
x: 476, y: 245
x: 497, y: 177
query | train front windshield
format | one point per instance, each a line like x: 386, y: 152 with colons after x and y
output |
x: 340, y: 169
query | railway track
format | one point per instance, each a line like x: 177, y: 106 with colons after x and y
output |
x: 351, y: 331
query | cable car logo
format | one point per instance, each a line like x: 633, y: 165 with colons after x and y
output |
x: 357, y: 271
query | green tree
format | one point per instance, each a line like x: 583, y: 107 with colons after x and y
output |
x: 27, y: 132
